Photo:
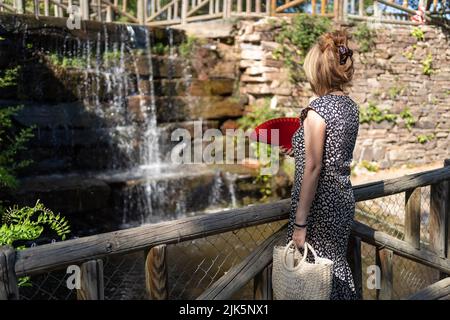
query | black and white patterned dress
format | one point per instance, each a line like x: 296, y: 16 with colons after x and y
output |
x: 333, y: 208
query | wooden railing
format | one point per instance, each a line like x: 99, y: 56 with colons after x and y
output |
x: 175, y: 12
x: 153, y: 239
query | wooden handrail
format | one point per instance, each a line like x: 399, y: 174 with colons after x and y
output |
x: 60, y: 254
x: 438, y: 290
x: 239, y: 275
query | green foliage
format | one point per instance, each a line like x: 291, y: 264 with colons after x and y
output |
x: 28, y: 223
x: 258, y: 115
x: 406, y: 115
x: 370, y: 166
x: 160, y: 49
x: 364, y: 36
x: 10, y: 145
x: 394, y: 91
x: 296, y: 39
x: 418, y: 34
x: 408, y: 55
x: 112, y: 55
x: 373, y: 114
x: 66, y: 62
x: 424, y: 138
x: 9, y: 77
x: 427, y: 65
x: 186, y: 48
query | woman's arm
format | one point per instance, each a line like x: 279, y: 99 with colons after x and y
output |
x: 314, y: 135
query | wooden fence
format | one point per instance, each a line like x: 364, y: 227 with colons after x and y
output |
x: 180, y: 12
x: 153, y: 238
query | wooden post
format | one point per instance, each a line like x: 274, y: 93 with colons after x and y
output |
x: 313, y: 7
x: 323, y: 7
x: 92, y: 287
x: 412, y: 217
x: 262, y: 284
x: 273, y: 7
x: 446, y: 217
x: 99, y: 10
x: 184, y: 11
x: 156, y: 276
x: 344, y: 10
x: 376, y: 10
x: 109, y: 14
x: 438, y: 213
x: 20, y: 6
x: 354, y: 261
x: 384, y: 259
x: 8, y: 280
x: 84, y: 9
x: 141, y: 11
x: 46, y: 8
x: 58, y: 10
x: 361, y: 8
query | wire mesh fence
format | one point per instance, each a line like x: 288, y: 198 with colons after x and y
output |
x: 196, y: 264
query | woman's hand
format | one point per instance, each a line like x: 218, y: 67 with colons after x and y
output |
x: 299, y: 237
x: 286, y: 151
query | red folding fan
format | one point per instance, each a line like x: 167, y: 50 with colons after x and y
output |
x: 286, y: 129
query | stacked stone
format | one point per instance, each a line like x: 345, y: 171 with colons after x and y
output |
x: 390, y: 75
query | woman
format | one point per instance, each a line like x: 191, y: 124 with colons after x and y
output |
x: 322, y: 202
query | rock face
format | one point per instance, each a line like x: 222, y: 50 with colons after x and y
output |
x: 93, y: 95
x: 390, y: 75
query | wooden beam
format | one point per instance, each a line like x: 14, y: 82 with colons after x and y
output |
x: 241, y: 274
x: 288, y: 5
x: 156, y: 276
x: 92, y: 286
x: 392, y: 186
x: 436, y: 291
x: 8, y: 280
x: 262, y: 284
x: 384, y: 259
x: 355, y: 263
x: 437, y: 225
x: 412, y: 217
x: 57, y: 255
x: 401, y: 248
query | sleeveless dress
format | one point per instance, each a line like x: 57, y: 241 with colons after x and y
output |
x: 333, y: 208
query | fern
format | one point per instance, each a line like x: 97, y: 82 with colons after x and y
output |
x: 28, y: 223
x: 10, y: 146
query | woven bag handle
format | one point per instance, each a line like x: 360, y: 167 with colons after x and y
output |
x: 305, y: 254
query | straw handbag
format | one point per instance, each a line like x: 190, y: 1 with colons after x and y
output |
x: 304, y: 281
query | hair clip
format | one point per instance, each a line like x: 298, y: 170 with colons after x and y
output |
x: 344, y: 53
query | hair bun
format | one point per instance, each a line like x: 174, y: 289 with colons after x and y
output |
x: 332, y: 40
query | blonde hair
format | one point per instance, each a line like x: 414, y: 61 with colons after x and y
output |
x: 322, y: 64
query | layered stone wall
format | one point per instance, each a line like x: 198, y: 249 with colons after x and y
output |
x: 389, y: 76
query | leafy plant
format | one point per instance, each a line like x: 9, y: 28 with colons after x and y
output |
x: 424, y: 138
x: 66, y: 62
x: 186, y: 48
x: 394, y: 91
x: 418, y: 34
x: 370, y: 166
x: 159, y: 48
x: 373, y: 114
x: 427, y: 65
x: 406, y: 115
x: 296, y: 39
x: 9, y: 77
x: 112, y: 55
x: 28, y: 223
x: 10, y: 145
x: 258, y: 115
x: 364, y: 36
